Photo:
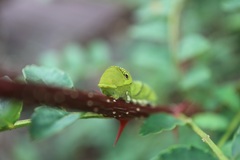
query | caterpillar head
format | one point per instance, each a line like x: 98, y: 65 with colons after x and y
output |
x: 115, y: 77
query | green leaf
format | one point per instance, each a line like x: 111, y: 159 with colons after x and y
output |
x: 154, y: 31
x: 228, y: 96
x: 74, y: 61
x: 236, y: 145
x: 230, y: 5
x: 211, y: 121
x: 192, y: 46
x: 99, y: 52
x: 48, y: 76
x: 184, y: 153
x: 158, y: 123
x: 47, y: 121
x: 195, y: 77
x: 49, y: 58
x: 153, y: 10
x: 227, y: 148
x: 9, y: 112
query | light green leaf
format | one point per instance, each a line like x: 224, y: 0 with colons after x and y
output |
x: 236, y: 145
x: 184, y: 153
x: 211, y: 121
x: 9, y: 112
x: 74, y: 61
x: 192, y: 46
x: 99, y: 52
x: 49, y: 58
x: 230, y: 5
x: 48, y: 76
x: 195, y: 77
x: 154, y: 31
x: 47, y: 121
x: 158, y: 123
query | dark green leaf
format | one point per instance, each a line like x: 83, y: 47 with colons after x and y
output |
x: 228, y: 95
x: 236, y: 145
x: 211, y: 121
x: 47, y: 121
x: 184, y: 153
x: 9, y: 112
x: 48, y: 76
x: 158, y: 123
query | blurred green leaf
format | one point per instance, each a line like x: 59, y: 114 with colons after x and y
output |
x: 47, y: 121
x: 99, y: 55
x: 195, y: 77
x: 232, y: 22
x: 154, y: 31
x: 228, y: 95
x: 154, y: 9
x: 184, y: 153
x: 158, y: 123
x: 211, y: 121
x: 48, y: 76
x: 49, y: 59
x: 230, y: 5
x: 227, y: 148
x: 193, y: 45
x: 74, y: 61
x: 10, y: 111
x: 148, y: 11
x: 236, y: 145
x: 99, y: 52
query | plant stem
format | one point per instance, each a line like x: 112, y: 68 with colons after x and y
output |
x: 18, y: 124
x: 22, y: 123
x: 233, y: 125
x: 174, y: 30
x: 205, y: 137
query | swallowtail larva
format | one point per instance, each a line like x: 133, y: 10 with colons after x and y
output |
x: 117, y: 82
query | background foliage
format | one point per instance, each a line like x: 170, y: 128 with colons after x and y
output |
x: 185, y: 49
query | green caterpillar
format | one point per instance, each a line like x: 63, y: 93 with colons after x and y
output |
x: 117, y: 82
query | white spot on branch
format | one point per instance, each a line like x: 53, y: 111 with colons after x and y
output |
x: 89, y: 103
x: 95, y: 109
x: 204, y: 139
x: 90, y: 95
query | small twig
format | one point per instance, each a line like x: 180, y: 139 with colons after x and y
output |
x: 174, y: 29
x: 80, y: 101
x: 205, y: 137
x: 18, y: 124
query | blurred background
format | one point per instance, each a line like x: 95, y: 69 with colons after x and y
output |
x: 184, y: 49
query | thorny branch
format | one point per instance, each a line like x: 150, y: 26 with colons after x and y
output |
x: 80, y: 101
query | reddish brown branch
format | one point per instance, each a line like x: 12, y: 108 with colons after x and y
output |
x: 79, y: 100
